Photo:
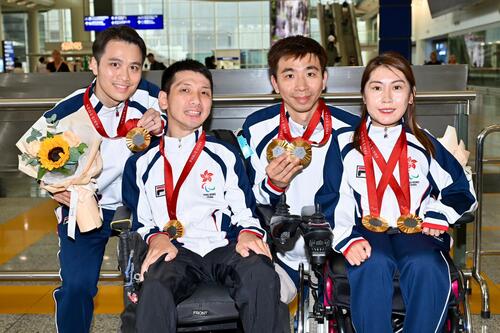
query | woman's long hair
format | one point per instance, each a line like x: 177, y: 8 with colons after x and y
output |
x: 396, y: 61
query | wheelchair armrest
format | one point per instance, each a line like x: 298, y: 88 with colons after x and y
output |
x: 121, y: 221
x: 464, y: 219
x: 264, y: 213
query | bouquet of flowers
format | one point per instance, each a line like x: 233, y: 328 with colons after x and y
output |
x: 53, y: 152
x: 63, y: 158
x: 455, y: 147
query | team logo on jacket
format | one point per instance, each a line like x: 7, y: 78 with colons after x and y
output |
x: 413, y: 171
x: 206, y: 184
x: 160, y: 191
x: 360, y: 171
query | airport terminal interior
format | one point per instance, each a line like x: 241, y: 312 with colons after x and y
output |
x: 233, y: 38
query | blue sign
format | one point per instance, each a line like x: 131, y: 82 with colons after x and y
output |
x: 139, y: 22
x: 8, y: 55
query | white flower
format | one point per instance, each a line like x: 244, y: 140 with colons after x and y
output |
x: 32, y: 148
x: 71, y: 138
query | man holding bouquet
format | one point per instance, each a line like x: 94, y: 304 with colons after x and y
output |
x: 118, y: 102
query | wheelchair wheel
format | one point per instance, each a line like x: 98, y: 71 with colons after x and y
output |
x: 459, y: 316
x: 301, y: 316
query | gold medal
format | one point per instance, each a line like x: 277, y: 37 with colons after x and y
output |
x: 174, y: 228
x: 302, y: 150
x: 410, y: 224
x: 138, y: 139
x: 375, y: 224
x: 276, y: 148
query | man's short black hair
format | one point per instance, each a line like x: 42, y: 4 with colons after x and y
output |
x: 167, y: 79
x: 118, y: 33
x: 295, y: 47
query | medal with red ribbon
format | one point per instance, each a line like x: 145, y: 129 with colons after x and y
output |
x: 137, y: 138
x: 300, y: 146
x: 174, y: 227
x: 407, y: 222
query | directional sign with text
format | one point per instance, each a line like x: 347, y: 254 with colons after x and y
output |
x: 140, y: 22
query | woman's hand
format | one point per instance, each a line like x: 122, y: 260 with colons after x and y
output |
x: 358, y: 253
x: 432, y: 232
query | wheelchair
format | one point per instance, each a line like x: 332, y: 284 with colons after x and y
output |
x: 327, y: 279
x: 209, y: 309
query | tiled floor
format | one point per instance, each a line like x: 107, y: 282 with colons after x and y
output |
x: 29, y: 242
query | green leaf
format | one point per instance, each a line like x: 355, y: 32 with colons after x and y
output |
x: 41, y: 173
x: 81, y: 147
x: 50, y: 135
x: 52, y: 119
x: 36, y: 133
x: 33, y: 162
x: 74, y: 154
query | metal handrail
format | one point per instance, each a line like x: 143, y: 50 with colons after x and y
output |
x: 45, y: 103
x: 476, y: 259
x: 49, y: 275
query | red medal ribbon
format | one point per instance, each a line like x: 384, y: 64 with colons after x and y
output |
x: 123, y: 127
x: 398, y: 154
x: 173, y: 193
x: 322, y: 110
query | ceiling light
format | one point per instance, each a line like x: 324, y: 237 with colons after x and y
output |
x: 30, y: 4
x: 21, y: 3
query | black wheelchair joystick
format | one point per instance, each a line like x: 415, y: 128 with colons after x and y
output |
x: 318, y: 236
x: 315, y: 229
x: 284, y: 226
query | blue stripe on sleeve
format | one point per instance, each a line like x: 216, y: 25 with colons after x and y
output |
x: 150, y: 87
x: 328, y: 194
x: 141, y: 108
x: 130, y: 190
x: 66, y: 107
x: 260, y: 147
x: 435, y: 215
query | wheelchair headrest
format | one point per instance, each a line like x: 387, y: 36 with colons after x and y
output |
x: 121, y: 221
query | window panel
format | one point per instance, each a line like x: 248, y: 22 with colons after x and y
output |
x: 227, y: 9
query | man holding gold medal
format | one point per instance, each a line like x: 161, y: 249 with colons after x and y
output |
x: 288, y: 141
x: 193, y: 205
x: 122, y: 110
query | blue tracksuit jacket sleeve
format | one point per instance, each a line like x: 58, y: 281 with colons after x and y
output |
x: 452, y: 192
x: 134, y: 197
x: 265, y: 193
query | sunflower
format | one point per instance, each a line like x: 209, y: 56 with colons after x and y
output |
x: 54, y: 153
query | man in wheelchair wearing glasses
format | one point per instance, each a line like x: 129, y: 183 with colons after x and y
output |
x: 192, y: 203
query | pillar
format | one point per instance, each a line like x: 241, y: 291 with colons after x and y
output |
x: 395, y: 27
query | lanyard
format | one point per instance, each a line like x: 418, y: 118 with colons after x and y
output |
x: 322, y: 110
x: 173, y: 193
x: 398, y: 154
x: 123, y: 127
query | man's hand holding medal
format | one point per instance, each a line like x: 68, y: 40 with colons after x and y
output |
x: 287, y: 155
x: 282, y: 169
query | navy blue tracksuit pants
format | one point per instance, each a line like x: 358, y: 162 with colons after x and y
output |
x: 80, y: 262
x: 424, y: 281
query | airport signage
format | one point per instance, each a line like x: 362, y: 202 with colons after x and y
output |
x: 8, y: 55
x: 139, y: 22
